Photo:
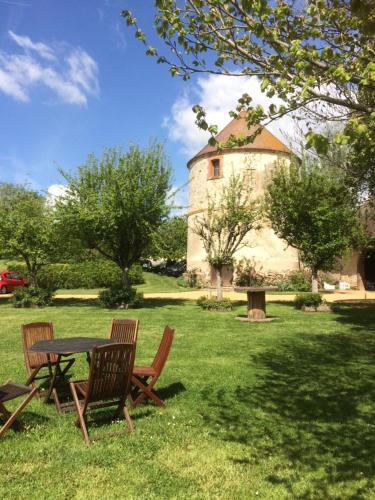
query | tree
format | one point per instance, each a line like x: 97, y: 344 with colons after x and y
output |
x: 310, y: 208
x: 225, y: 225
x: 170, y: 240
x: 115, y: 203
x: 27, y: 228
x: 318, y: 59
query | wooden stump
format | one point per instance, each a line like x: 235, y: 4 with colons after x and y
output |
x: 256, y: 304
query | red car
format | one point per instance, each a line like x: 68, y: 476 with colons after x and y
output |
x: 9, y: 280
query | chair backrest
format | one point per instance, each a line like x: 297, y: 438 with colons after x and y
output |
x: 124, y: 330
x: 163, y: 351
x: 111, y: 368
x: 31, y: 333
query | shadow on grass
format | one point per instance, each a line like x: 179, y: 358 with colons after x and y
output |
x: 161, y: 302
x: 361, y: 315
x: 76, y: 302
x: 312, y: 408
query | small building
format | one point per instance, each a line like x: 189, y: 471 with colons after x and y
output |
x: 209, y: 170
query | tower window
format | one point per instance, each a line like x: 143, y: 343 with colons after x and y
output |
x: 214, y: 169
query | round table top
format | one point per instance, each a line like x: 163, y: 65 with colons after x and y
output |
x: 69, y: 345
x: 254, y: 288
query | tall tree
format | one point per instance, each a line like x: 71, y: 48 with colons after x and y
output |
x: 311, y: 209
x: 316, y: 57
x: 170, y: 240
x: 27, y: 228
x: 115, y: 202
x: 226, y: 223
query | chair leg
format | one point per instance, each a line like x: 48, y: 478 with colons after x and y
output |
x: 130, y: 427
x: 80, y: 414
x: 147, y: 391
x: 13, y: 416
x: 32, y: 375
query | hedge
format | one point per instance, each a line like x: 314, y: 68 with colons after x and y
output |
x: 95, y: 273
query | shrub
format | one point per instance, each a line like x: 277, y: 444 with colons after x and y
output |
x: 214, y: 304
x: 247, y: 275
x: 189, y: 280
x: 307, y: 300
x: 118, y: 296
x: 31, y: 297
x: 297, y: 282
x: 92, y: 273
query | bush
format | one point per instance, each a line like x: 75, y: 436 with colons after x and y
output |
x: 31, y: 297
x: 307, y: 300
x: 247, y: 275
x: 297, y: 282
x: 93, y: 273
x: 214, y: 304
x: 190, y: 280
x: 118, y: 296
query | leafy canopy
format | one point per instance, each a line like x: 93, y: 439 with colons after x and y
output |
x: 170, y: 240
x: 115, y: 202
x: 310, y: 208
x: 226, y: 223
x: 27, y: 228
x: 318, y: 58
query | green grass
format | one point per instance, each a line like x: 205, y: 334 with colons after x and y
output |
x: 154, y: 283
x: 275, y: 410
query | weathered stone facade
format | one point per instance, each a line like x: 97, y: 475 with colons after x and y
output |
x: 210, y: 170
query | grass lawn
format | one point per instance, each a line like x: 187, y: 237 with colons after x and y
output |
x: 277, y: 410
x: 153, y: 283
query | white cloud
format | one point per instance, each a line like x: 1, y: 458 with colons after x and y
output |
x: 26, y: 43
x: 72, y: 76
x: 218, y: 94
x: 54, y: 192
x: 178, y: 199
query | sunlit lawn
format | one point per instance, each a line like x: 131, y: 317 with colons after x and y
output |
x: 277, y: 410
x: 153, y: 283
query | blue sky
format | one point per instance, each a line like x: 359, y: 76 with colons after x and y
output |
x: 73, y: 79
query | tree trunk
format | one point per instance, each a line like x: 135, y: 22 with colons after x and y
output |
x: 219, y: 288
x: 125, y: 277
x: 314, y: 281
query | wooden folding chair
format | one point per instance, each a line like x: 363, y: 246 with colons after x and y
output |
x: 108, y: 384
x: 124, y: 330
x: 145, y: 377
x: 35, y: 361
x: 10, y: 391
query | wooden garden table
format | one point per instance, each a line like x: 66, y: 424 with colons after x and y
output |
x: 65, y: 347
x: 256, y: 301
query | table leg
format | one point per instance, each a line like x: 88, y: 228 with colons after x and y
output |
x: 256, y: 305
x: 53, y: 381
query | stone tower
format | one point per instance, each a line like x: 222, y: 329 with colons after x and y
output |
x: 209, y: 170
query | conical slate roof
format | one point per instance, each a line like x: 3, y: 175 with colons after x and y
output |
x: 265, y: 141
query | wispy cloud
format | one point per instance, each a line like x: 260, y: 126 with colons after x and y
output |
x: 26, y: 43
x: 70, y: 73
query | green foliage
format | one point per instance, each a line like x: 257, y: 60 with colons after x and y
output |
x: 317, y: 59
x: 247, y: 274
x: 28, y: 228
x: 116, y: 202
x: 94, y: 273
x: 296, y: 282
x: 120, y: 297
x: 190, y: 280
x: 31, y: 297
x: 310, y: 208
x: 228, y: 220
x: 307, y: 300
x: 212, y: 304
x: 169, y: 241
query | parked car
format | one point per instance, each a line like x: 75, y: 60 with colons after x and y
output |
x: 9, y: 280
x: 175, y: 269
